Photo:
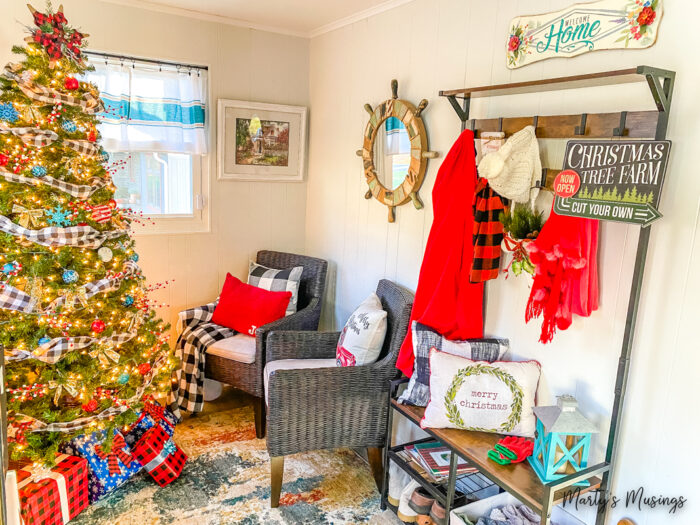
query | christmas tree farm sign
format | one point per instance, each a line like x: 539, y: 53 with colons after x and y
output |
x: 612, y: 180
x: 580, y: 28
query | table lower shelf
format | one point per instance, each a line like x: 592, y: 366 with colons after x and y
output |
x: 519, y: 479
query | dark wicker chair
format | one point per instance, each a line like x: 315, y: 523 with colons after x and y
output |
x: 249, y: 377
x: 322, y: 408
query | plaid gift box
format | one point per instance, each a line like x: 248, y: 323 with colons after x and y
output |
x: 151, y: 415
x: 162, y: 458
x: 106, y: 470
x: 54, y: 496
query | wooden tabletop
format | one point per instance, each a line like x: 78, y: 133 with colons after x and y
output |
x: 518, y: 479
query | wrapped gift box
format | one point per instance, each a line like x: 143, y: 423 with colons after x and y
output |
x: 160, y: 456
x: 54, y: 496
x: 152, y: 414
x: 106, y: 471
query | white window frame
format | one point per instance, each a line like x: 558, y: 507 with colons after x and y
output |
x: 200, y: 220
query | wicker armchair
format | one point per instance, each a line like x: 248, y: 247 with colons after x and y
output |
x: 331, y: 407
x: 249, y: 377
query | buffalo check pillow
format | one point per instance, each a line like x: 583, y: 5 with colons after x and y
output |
x: 277, y: 281
x: 477, y: 395
x: 424, y: 338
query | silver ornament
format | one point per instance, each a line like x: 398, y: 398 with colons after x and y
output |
x: 105, y: 254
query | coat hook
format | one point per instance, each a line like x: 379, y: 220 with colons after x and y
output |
x: 619, y: 132
x: 500, y: 124
x: 581, y: 128
x: 474, y: 126
x: 535, y: 121
x: 394, y: 88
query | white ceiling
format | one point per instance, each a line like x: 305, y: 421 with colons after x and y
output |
x: 305, y: 18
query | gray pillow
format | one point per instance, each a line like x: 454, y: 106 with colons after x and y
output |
x: 424, y: 338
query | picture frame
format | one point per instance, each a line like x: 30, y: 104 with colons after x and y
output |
x: 261, y: 142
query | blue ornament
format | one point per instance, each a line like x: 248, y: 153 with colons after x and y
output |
x: 38, y: 171
x: 8, y: 112
x: 44, y: 340
x: 123, y: 379
x: 103, y: 156
x: 8, y: 267
x: 134, y: 257
x: 128, y: 300
x: 70, y: 276
x: 58, y: 216
x: 69, y: 126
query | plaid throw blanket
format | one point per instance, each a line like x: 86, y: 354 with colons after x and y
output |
x: 488, y: 233
x: 197, y: 333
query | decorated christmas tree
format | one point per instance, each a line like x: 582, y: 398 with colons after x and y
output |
x: 83, y: 347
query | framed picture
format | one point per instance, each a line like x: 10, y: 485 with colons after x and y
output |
x: 261, y: 142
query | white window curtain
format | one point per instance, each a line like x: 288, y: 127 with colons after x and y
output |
x: 151, y: 108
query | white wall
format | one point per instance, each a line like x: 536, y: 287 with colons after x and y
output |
x: 243, y: 64
x: 430, y: 45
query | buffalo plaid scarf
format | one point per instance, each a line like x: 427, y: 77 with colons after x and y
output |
x: 197, y: 333
x: 488, y: 233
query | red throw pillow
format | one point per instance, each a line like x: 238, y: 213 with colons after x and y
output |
x: 245, y: 308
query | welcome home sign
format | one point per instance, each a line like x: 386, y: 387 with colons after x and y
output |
x: 606, y: 24
x: 612, y: 180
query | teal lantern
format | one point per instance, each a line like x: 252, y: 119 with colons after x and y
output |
x: 562, y: 441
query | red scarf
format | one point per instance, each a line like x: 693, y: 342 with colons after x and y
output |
x: 566, y: 273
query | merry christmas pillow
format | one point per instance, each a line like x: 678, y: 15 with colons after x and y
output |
x: 362, y: 337
x: 477, y: 395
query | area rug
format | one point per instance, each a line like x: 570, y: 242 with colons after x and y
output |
x: 226, y: 480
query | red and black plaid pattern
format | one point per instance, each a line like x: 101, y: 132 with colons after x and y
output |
x: 160, y: 456
x: 488, y: 233
x: 39, y: 501
x: 118, y: 453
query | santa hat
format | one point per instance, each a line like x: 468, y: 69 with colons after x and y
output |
x: 514, y: 169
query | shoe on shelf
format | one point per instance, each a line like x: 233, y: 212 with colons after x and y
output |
x: 404, y: 512
x: 438, y: 514
x: 424, y: 519
x: 421, y: 501
x: 398, y: 479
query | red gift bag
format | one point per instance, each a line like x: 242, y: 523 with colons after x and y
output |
x: 54, y: 496
x: 159, y: 455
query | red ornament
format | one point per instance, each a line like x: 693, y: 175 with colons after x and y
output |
x: 4, y: 159
x: 112, y: 203
x: 92, y: 135
x: 82, y: 224
x: 102, y: 213
x: 71, y: 83
x: 90, y: 406
x: 144, y: 368
x: 98, y: 326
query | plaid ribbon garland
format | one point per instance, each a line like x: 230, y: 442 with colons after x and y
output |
x: 75, y: 190
x: 118, y: 453
x: 36, y: 137
x: 13, y: 299
x: 79, y: 236
x: 52, y: 351
x: 89, y: 103
x: 84, y: 147
x: 103, y: 285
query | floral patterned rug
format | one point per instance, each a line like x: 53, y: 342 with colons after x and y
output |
x: 226, y: 480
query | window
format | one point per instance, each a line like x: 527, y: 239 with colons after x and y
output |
x: 155, y: 130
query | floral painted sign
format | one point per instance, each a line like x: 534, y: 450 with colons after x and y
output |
x: 606, y: 24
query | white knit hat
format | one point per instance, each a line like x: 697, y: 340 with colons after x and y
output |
x: 514, y: 169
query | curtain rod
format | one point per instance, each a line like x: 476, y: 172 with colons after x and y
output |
x: 145, y: 60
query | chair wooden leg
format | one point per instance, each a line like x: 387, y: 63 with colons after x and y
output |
x: 374, y: 455
x: 260, y: 417
x: 276, y: 475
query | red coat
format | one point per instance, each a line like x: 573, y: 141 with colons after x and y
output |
x: 445, y: 299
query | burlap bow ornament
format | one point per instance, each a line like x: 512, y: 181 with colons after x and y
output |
x: 104, y: 352
x: 70, y: 386
x: 27, y: 217
x: 113, y: 457
x: 74, y: 298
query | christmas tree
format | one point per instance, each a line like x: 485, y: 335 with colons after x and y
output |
x: 83, y: 347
